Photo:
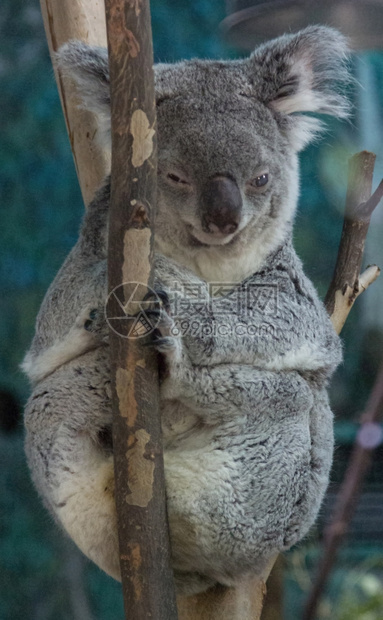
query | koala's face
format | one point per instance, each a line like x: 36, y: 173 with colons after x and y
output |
x: 228, y: 137
x: 223, y: 163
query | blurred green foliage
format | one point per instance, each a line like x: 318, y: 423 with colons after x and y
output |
x: 41, y: 212
x: 354, y: 592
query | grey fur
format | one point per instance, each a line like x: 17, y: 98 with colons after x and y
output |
x: 247, y: 425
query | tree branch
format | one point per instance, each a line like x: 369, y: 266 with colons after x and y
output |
x: 345, y: 285
x: 147, y: 578
x: 84, y: 20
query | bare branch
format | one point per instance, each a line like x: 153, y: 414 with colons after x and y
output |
x: 368, y: 276
x: 345, y: 300
x: 84, y: 20
x: 147, y: 578
x: 368, y: 207
x: 345, y: 286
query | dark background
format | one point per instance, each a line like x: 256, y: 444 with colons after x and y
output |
x: 42, y: 576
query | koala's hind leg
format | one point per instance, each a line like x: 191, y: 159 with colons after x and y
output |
x: 244, y: 497
x: 67, y: 419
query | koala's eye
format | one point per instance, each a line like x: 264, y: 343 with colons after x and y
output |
x: 176, y: 179
x: 260, y: 181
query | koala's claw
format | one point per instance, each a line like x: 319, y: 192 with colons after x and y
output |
x: 164, y: 298
x: 162, y: 338
x: 169, y: 346
x: 153, y: 314
x: 162, y: 344
x: 159, y: 318
x: 160, y: 322
x: 93, y: 321
x: 158, y: 294
x: 89, y: 323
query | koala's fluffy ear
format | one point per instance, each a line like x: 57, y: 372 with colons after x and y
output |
x: 304, y: 72
x: 89, y: 68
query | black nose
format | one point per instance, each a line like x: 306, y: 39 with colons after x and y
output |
x: 221, y: 205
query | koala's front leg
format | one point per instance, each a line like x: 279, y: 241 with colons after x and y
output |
x: 292, y: 331
x: 219, y: 393
x: 231, y: 393
x: 89, y: 331
x: 71, y: 318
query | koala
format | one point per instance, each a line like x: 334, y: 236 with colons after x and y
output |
x: 247, y: 426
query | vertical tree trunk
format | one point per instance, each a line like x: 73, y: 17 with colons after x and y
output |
x: 147, y: 578
x: 84, y: 20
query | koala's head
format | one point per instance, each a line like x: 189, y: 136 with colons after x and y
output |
x: 228, y: 137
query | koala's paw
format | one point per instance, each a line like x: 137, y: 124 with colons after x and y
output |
x: 158, y: 315
x: 94, y: 322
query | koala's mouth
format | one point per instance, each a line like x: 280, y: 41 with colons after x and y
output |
x: 199, y: 238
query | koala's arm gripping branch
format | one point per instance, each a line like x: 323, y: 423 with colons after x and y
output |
x: 147, y: 578
x: 83, y: 20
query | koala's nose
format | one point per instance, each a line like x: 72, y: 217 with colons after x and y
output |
x: 221, y: 204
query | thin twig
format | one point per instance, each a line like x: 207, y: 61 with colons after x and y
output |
x: 366, y: 209
x: 347, y: 498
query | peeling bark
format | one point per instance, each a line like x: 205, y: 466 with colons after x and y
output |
x: 147, y: 579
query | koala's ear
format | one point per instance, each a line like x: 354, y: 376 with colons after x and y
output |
x: 89, y: 68
x: 304, y: 72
